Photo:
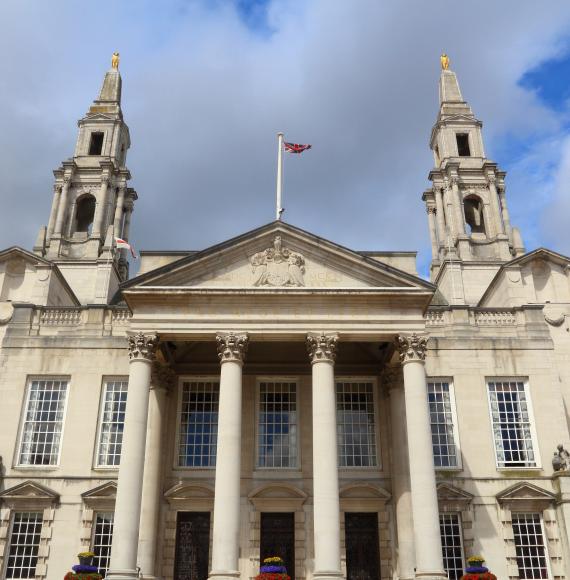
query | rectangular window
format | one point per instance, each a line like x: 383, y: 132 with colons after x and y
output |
x: 463, y: 145
x: 443, y: 430
x: 451, y: 545
x: 356, y: 430
x: 112, y: 423
x: 277, y: 424
x: 96, y: 143
x: 198, y: 433
x: 532, y: 558
x: 102, y: 540
x: 512, y: 429
x: 24, y: 545
x: 43, y: 422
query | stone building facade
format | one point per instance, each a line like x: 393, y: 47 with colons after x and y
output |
x: 279, y: 394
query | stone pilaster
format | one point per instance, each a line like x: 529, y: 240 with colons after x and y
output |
x: 142, y: 349
x: 322, y: 350
x: 232, y: 349
x: 429, y: 561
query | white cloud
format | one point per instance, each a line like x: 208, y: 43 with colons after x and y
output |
x: 204, y: 96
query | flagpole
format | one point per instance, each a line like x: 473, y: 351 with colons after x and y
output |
x: 278, y: 208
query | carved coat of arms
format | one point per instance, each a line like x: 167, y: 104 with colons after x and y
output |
x: 278, y: 266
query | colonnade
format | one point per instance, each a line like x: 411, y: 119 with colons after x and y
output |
x: 413, y: 474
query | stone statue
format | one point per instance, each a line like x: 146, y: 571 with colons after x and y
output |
x: 561, y: 459
x: 115, y: 61
x: 444, y: 61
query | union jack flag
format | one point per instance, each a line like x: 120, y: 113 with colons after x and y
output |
x: 295, y: 147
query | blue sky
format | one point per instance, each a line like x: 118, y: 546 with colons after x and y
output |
x: 208, y: 83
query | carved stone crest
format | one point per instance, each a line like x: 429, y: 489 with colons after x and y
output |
x: 278, y: 266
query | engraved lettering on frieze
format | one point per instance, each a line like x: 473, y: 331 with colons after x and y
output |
x: 142, y: 346
x: 278, y: 266
x: 412, y: 347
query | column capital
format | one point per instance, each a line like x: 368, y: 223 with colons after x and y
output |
x: 232, y: 347
x: 411, y: 347
x: 142, y: 346
x: 162, y: 376
x: 322, y: 347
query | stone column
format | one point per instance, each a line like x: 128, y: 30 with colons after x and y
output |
x: 432, y: 232
x: 402, y: 494
x: 459, y: 216
x: 490, y: 225
x: 500, y: 226
x: 119, y: 212
x: 449, y: 210
x: 62, y: 206
x: 72, y: 210
x: 53, y: 212
x: 505, y: 212
x: 123, y: 565
x: 425, y: 512
x: 232, y: 349
x: 100, y: 209
x: 322, y: 352
x: 162, y: 381
x: 442, y: 233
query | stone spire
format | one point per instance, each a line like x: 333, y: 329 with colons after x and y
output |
x: 467, y: 211
x: 92, y: 203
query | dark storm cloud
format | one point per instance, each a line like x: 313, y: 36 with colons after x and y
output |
x: 204, y: 93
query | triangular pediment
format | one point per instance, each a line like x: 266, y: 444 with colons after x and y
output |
x: 107, y: 490
x: 447, y: 493
x: 282, y: 256
x: 29, y: 491
x: 525, y: 494
x: 100, y: 117
x: 16, y: 253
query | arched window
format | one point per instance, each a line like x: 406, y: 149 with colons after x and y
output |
x: 474, y: 214
x: 84, y: 213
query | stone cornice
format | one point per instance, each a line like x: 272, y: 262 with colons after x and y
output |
x: 232, y: 347
x: 142, y: 346
x: 322, y: 347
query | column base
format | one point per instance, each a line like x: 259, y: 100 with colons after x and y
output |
x: 327, y: 575
x: 431, y: 575
x: 123, y: 575
x: 224, y: 575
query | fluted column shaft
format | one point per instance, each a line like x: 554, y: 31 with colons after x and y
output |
x: 460, y: 226
x: 232, y: 349
x: 429, y: 561
x: 401, y: 474
x: 53, y: 212
x: 322, y: 352
x: 505, y: 213
x: 442, y: 233
x: 62, y: 207
x: 129, y: 485
x: 432, y: 232
x: 162, y: 380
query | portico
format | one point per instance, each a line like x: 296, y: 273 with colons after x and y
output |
x: 231, y: 334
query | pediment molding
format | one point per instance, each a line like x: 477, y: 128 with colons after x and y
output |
x: 101, y: 497
x: 450, y: 497
x: 29, y: 494
x: 523, y: 496
x: 304, y: 260
x: 278, y: 497
x: 363, y: 496
x: 190, y: 495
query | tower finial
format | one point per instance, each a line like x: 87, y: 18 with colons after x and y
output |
x: 444, y: 59
x: 115, y: 61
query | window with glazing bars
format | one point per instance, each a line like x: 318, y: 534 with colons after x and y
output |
x: 43, y: 422
x: 277, y: 425
x: 440, y: 400
x: 451, y: 545
x: 24, y: 545
x: 532, y: 557
x: 112, y: 423
x: 356, y: 429
x: 198, y: 424
x: 102, y: 540
x: 511, y: 420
